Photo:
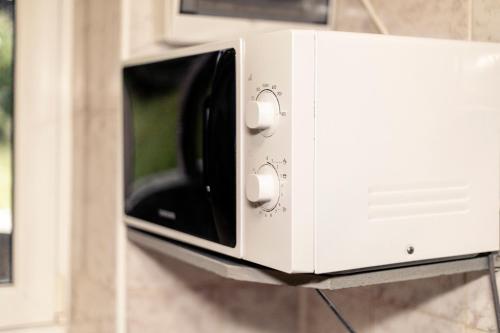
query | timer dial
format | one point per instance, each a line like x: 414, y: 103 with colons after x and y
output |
x: 263, y: 113
x: 263, y: 187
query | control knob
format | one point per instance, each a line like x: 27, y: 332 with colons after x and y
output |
x: 263, y: 113
x: 262, y: 187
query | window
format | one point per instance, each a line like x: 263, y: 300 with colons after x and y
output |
x: 305, y: 11
x: 6, y: 122
x: 34, y: 152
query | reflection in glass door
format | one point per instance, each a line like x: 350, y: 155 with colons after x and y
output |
x: 6, y: 135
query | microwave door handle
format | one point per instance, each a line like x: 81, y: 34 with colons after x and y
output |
x: 219, y: 153
x: 206, y: 145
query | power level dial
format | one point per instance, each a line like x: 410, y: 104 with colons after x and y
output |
x: 263, y: 113
x: 263, y: 187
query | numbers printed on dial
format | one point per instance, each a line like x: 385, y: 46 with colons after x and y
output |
x: 272, y: 87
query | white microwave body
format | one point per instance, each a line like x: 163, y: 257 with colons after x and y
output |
x: 355, y: 151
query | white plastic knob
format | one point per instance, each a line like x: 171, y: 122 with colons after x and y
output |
x: 259, y: 115
x: 260, y: 188
x: 263, y: 187
x: 263, y: 113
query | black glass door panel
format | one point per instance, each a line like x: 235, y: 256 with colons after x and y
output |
x: 180, y: 157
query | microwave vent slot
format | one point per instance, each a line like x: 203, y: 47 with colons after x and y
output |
x: 405, y: 201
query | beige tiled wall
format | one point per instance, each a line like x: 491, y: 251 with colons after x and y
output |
x: 96, y: 127
x: 167, y: 296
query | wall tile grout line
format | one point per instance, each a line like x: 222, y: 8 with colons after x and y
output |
x: 469, y: 19
x: 302, y: 298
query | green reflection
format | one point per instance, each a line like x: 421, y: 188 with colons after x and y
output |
x: 156, y: 123
x: 155, y: 130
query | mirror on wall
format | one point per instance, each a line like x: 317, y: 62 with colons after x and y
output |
x: 6, y: 136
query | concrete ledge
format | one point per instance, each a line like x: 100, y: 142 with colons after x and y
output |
x: 244, y: 271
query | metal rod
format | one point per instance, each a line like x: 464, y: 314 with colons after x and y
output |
x: 332, y: 307
x: 494, y: 288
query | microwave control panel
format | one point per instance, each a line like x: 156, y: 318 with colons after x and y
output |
x: 266, y: 181
x: 278, y: 128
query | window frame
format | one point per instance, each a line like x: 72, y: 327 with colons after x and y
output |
x: 38, y: 297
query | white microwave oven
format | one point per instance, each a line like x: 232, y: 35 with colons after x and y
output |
x: 309, y: 151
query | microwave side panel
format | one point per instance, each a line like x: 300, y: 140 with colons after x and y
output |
x: 281, y: 65
x: 407, y: 150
